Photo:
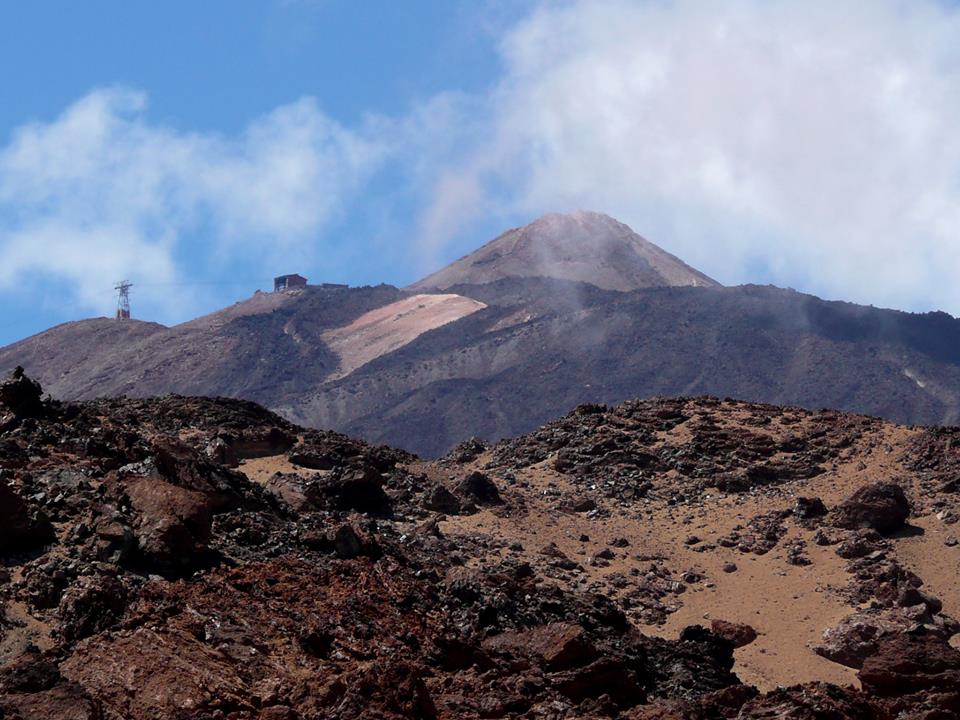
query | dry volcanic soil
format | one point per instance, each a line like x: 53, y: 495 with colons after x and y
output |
x: 673, y: 558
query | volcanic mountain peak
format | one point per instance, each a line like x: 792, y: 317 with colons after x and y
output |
x: 583, y: 246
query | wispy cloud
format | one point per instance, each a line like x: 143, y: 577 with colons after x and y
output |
x: 807, y: 144
x: 811, y: 144
x: 102, y: 193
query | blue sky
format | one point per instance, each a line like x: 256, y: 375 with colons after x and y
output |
x: 201, y: 148
x: 212, y: 67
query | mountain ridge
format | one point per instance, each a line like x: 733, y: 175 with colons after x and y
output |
x: 425, y: 369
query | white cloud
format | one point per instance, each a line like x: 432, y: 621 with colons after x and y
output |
x: 814, y: 144
x: 100, y: 193
x: 809, y: 144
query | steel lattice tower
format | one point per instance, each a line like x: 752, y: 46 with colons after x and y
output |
x: 123, y: 299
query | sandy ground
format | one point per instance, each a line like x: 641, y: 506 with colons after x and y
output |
x: 388, y: 328
x: 932, y: 560
x: 789, y: 606
x: 23, y: 630
x: 260, y: 470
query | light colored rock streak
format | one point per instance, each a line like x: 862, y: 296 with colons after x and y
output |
x: 389, y: 328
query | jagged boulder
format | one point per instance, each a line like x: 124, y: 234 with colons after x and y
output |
x: 558, y: 646
x: 859, y: 635
x: 879, y: 506
x: 91, y: 605
x: 356, y: 489
x: 20, y: 527
x: 346, y: 541
x: 441, y: 500
x: 173, y: 523
x: 739, y: 634
x: 292, y: 490
x: 311, y: 459
x: 220, y: 451
x: 20, y: 395
x: 808, y: 511
x: 912, y: 662
x: 467, y: 451
x: 31, y: 687
x: 478, y: 488
x: 861, y: 544
x: 855, y: 638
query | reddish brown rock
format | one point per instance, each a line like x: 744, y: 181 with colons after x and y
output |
x: 292, y: 490
x: 879, y: 506
x: 175, y: 674
x: 559, y: 646
x: 606, y: 676
x: 862, y: 633
x: 173, y: 524
x: 739, y: 634
x: 910, y: 663
x: 65, y: 701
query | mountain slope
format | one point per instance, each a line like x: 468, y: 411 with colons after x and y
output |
x: 582, y: 246
x: 493, y: 379
x: 424, y: 370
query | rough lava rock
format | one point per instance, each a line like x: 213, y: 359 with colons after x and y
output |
x: 739, y: 634
x: 913, y: 662
x: 144, y: 577
x: 477, y: 487
x: 20, y: 395
x: 859, y: 635
x: 879, y: 506
x: 20, y: 527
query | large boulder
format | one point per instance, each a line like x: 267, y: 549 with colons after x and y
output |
x: 20, y: 395
x: 173, y: 674
x: 91, y: 605
x: 910, y: 663
x: 879, y: 506
x: 808, y: 511
x: 861, y: 634
x: 813, y: 701
x: 558, y: 646
x: 173, y: 523
x: 20, y: 527
x: 64, y: 701
x: 480, y: 489
x: 292, y: 490
x: 439, y: 499
x: 856, y: 636
x: 739, y: 634
x: 356, y: 489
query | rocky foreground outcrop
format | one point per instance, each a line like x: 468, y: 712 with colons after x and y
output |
x: 202, y: 558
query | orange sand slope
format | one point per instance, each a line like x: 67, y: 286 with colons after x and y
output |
x: 389, y: 328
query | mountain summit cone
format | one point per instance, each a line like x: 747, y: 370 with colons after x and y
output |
x: 582, y: 246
